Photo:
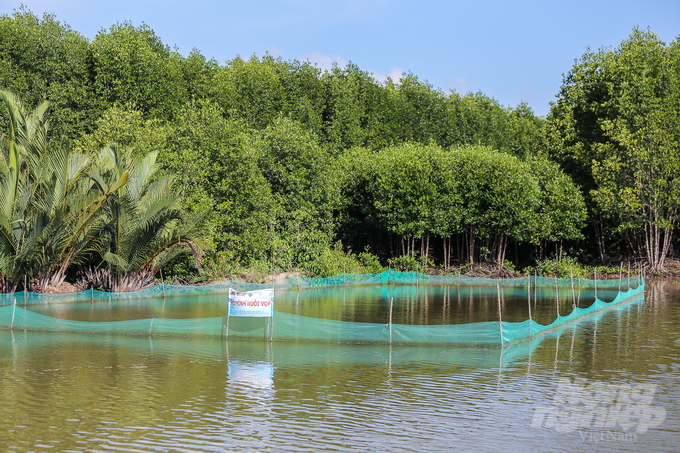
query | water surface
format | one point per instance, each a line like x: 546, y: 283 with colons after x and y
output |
x: 78, y: 392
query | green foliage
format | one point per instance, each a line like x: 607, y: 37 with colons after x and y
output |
x: 44, y: 59
x: 349, y: 92
x: 303, y: 189
x: 126, y: 127
x: 410, y: 263
x: 334, y: 261
x: 289, y: 159
x: 48, y: 212
x: 615, y: 128
x: 256, y: 91
x: 404, y: 184
x: 481, y: 120
x: 498, y: 191
x: 562, y: 268
x: 561, y: 207
x: 132, y: 65
x: 567, y: 266
x: 217, y: 170
x: 250, y: 91
x: 216, y: 266
x: 143, y: 227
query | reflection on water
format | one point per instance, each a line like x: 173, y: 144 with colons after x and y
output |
x: 74, y: 392
x: 421, y: 305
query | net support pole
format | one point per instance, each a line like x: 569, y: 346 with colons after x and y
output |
x: 500, y: 316
x: 628, y: 283
x: 271, y: 320
x: 529, y: 294
x: 11, y: 326
x: 557, y: 298
x: 620, y: 275
x: 595, y: 283
x: 573, y: 295
x: 344, y: 290
x: 297, y: 277
x: 163, y: 283
x: 151, y: 326
x: 25, y: 290
x: 391, y: 305
x: 92, y: 294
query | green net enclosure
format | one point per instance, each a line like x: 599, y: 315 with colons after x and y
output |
x: 16, y: 313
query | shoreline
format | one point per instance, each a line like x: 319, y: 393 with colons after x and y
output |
x: 485, y: 270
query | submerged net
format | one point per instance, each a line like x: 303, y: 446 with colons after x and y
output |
x: 293, y: 327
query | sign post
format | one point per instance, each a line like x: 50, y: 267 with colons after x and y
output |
x: 253, y: 304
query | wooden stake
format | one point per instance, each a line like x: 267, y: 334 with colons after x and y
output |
x: 500, y: 317
x: 557, y: 298
x: 573, y: 296
x: 391, y: 305
x: 620, y: 274
x: 163, y: 283
x: 25, y: 290
x: 529, y: 294
x: 271, y: 329
x: 11, y: 326
x: 226, y: 334
x: 595, y: 283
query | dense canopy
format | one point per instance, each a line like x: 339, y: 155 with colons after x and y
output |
x: 261, y: 163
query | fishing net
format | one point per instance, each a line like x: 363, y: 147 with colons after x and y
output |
x: 15, y: 312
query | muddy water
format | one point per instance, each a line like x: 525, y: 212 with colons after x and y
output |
x: 607, y: 383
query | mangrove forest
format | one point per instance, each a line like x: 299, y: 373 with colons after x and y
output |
x: 123, y: 160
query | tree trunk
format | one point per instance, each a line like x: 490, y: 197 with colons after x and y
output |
x: 427, y: 247
x: 471, y: 251
x: 499, y: 245
x: 599, y: 239
x: 560, y: 260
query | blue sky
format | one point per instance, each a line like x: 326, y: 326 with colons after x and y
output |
x: 513, y: 51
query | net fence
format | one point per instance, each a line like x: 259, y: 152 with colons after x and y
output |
x: 15, y: 313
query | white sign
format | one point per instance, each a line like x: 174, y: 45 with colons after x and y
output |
x: 252, y: 303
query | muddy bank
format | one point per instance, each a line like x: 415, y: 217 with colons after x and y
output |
x: 483, y: 270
